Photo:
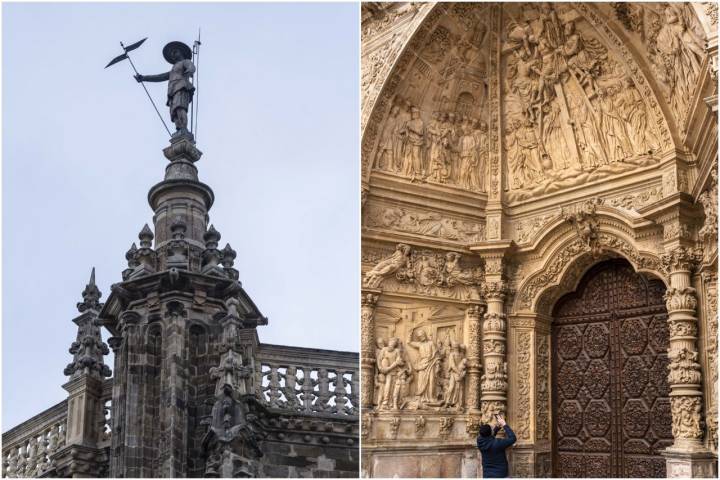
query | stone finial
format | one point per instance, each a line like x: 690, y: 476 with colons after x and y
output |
x: 91, y: 295
x: 178, y: 229
x: 146, y: 237
x: 228, y: 256
x: 211, y: 238
x: 130, y: 256
x: 88, y: 349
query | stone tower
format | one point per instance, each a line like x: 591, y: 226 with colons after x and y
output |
x: 188, y: 396
x: 193, y: 392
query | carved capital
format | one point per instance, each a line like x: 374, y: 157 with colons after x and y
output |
x: 677, y: 299
x: 681, y: 259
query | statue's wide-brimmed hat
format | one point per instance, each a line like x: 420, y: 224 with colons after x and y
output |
x: 184, y: 50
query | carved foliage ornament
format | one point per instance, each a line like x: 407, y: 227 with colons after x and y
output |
x: 680, y: 299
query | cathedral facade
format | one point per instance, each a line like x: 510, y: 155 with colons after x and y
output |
x: 192, y: 392
x: 539, y: 237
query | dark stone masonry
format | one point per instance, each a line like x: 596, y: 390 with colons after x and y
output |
x: 193, y: 392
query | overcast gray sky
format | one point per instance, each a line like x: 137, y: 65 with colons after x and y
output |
x: 81, y: 147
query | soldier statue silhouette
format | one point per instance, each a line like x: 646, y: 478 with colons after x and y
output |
x: 180, y: 88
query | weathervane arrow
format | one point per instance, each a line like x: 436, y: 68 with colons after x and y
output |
x: 127, y: 49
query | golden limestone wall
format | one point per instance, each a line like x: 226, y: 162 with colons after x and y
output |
x: 506, y: 150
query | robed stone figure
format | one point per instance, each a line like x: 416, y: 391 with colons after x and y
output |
x: 180, y: 89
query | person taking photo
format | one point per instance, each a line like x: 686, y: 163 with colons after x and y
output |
x: 494, y: 461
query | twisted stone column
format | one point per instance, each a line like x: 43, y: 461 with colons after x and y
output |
x: 474, y: 358
x: 687, y: 456
x: 494, y: 378
x: 367, y: 348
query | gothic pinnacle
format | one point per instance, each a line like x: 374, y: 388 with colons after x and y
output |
x: 91, y: 295
x: 146, y: 237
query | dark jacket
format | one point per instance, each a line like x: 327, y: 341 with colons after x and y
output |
x: 494, y: 462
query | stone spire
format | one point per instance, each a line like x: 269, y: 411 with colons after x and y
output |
x: 88, y: 349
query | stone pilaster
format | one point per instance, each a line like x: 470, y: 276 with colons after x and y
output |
x: 474, y: 357
x: 687, y: 456
x: 367, y: 347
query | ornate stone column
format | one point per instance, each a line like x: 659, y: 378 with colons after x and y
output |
x: 367, y: 347
x: 494, y: 330
x: 494, y: 378
x: 474, y: 357
x: 687, y: 457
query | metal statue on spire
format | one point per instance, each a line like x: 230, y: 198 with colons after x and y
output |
x: 180, y: 80
x: 180, y: 87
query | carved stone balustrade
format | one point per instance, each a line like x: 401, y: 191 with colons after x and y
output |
x: 290, y: 383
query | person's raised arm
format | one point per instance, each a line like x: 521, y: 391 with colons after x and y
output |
x: 505, y: 442
x: 161, y: 77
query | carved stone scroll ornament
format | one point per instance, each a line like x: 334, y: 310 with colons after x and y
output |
x: 550, y: 273
x: 426, y: 272
x: 524, y: 355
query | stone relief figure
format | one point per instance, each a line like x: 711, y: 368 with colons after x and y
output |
x: 387, y: 148
x: 679, y: 56
x: 571, y: 111
x: 230, y: 372
x: 386, y: 267
x: 426, y: 368
x: 456, y: 369
x: 439, y: 155
x: 437, y: 374
x: 391, y: 365
x: 380, y: 346
x: 633, y: 111
x: 469, y: 161
x: 686, y: 417
x: 414, y: 146
x: 323, y: 392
